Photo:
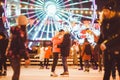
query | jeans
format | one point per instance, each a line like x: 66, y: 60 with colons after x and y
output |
x: 55, y: 60
x: 65, y: 66
x: 3, y: 65
x: 109, y: 60
x: 15, y: 63
x: 80, y: 60
x: 3, y: 46
x: 114, y: 71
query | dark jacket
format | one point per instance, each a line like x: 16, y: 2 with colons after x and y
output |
x: 2, y: 28
x: 65, y: 45
x: 3, y: 44
x: 17, y: 46
x: 110, y: 31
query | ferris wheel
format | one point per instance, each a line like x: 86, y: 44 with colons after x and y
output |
x: 48, y: 16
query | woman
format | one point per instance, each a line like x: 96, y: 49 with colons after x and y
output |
x: 86, y: 54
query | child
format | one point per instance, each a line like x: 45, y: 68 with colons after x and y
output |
x: 48, y: 52
x: 41, y: 54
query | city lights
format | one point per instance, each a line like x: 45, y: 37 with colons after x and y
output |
x: 48, y: 16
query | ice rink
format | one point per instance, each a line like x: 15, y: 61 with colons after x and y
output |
x: 35, y: 73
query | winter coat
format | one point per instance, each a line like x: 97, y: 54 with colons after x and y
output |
x: 48, y: 52
x: 65, y: 45
x: 110, y: 31
x: 17, y: 48
x: 86, y: 52
x: 41, y: 53
x: 56, y: 42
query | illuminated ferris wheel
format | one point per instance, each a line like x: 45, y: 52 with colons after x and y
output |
x: 48, y: 16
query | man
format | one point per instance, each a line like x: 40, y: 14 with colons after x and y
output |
x: 65, y: 50
x: 109, y: 39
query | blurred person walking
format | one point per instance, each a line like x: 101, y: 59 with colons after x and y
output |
x: 17, y: 46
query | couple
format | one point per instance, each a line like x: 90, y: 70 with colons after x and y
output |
x: 61, y: 44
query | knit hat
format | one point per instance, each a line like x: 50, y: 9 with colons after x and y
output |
x: 111, y: 5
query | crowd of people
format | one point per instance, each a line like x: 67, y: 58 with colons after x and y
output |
x: 107, y: 47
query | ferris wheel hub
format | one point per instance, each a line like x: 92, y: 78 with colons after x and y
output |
x: 50, y: 8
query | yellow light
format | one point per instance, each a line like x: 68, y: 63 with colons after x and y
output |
x: 81, y: 12
x: 20, y: 6
x: 76, y: 11
x: 90, y: 12
x: 86, y: 12
x: 1, y: 3
x: 31, y: 7
x: 119, y: 13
